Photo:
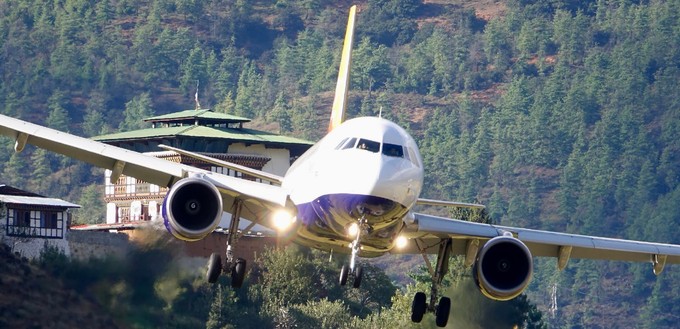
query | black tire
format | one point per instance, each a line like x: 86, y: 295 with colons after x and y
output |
x: 443, y: 311
x: 214, y: 268
x: 357, y: 277
x: 344, y: 272
x: 238, y: 273
x: 418, y: 307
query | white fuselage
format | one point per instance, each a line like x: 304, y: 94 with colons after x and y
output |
x: 365, y: 168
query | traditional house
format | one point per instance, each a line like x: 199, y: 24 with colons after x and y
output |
x: 28, y: 221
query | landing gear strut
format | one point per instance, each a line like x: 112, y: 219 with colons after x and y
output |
x: 237, y: 267
x: 442, y: 309
x: 353, y: 268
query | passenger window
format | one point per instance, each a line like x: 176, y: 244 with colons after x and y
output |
x: 368, y: 145
x: 350, y: 143
x: 393, y: 150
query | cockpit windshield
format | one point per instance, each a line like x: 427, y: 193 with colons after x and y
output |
x: 391, y: 150
x: 348, y: 143
x: 368, y: 145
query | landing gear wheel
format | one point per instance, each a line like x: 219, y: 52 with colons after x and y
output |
x: 238, y: 273
x: 344, y: 272
x: 442, y: 312
x: 418, y: 307
x: 357, y: 277
x: 214, y: 268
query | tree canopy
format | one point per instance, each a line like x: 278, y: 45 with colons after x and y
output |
x: 556, y: 114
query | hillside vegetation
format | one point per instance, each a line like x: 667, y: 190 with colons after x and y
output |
x: 557, y: 114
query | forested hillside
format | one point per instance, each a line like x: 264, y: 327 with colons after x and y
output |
x: 557, y: 114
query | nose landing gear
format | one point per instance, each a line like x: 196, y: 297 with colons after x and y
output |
x: 353, y: 268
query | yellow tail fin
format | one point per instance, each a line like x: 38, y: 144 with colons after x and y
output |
x: 342, y: 86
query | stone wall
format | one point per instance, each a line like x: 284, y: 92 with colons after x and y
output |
x: 30, y: 247
x: 89, y: 244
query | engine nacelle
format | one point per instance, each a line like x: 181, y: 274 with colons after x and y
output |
x: 503, y: 268
x: 192, y: 209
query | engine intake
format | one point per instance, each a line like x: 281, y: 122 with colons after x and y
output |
x: 503, y: 268
x: 192, y: 209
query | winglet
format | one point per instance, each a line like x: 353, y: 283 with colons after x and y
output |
x: 342, y: 86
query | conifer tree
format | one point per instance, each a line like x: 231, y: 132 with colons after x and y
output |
x: 137, y: 109
x: 92, y: 208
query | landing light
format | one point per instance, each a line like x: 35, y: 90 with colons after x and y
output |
x: 401, y: 242
x: 353, y: 230
x: 282, y: 220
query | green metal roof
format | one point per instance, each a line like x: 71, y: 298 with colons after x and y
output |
x: 242, y: 134
x: 203, y: 114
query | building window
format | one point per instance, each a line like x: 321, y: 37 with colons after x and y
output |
x: 50, y: 219
x: 130, y: 184
x: 35, y: 223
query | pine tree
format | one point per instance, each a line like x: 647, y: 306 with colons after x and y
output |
x: 92, y: 209
x: 221, y: 308
x: 280, y: 114
x: 136, y: 110
x: 13, y: 173
x: 40, y: 163
x: 58, y: 117
x: 93, y: 123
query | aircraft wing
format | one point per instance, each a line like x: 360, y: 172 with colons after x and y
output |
x: 427, y: 231
x: 275, y: 179
x: 452, y: 204
x: 258, y: 198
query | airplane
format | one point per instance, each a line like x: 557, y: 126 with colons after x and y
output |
x: 353, y: 192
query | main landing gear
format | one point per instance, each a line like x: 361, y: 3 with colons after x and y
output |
x: 362, y: 228
x: 237, y: 266
x: 420, y: 306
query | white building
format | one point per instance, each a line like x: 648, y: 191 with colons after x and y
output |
x: 29, y: 221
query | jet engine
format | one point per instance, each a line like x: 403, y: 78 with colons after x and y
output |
x: 503, y: 268
x: 192, y: 209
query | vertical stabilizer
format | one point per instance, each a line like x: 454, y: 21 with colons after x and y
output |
x: 342, y: 87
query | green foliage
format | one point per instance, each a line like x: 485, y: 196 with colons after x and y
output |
x: 58, y: 117
x: 557, y: 114
x: 136, y: 110
x: 92, y: 206
x: 93, y: 122
x: 321, y: 314
x: 12, y: 173
x: 280, y: 114
x: 389, y: 22
x: 41, y: 170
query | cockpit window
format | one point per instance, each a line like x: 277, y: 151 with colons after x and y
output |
x: 393, y: 150
x: 368, y: 145
x: 412, y: 156
x: 349, y: 143
x: 342, y: 142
